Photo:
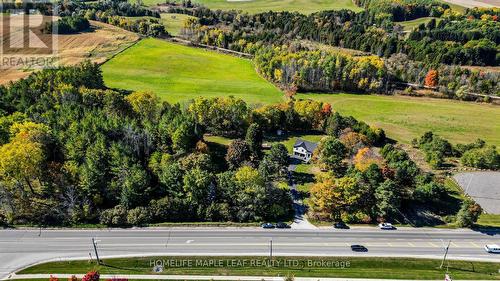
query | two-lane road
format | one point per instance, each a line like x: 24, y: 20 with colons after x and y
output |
x: 19, y: 248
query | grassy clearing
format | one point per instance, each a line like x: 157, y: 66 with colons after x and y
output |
x: 258, y: 6
x: 217, y: 139
x: 351, y: 267
x: 411, y: 24
x: 174, y: 22
x: 404, y: 118
x: 178, y: 73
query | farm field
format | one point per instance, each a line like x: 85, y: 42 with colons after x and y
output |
x: 174, y: 22
x: 97, y: 46
x: 404, y: 118
x: 257, y: 6
x: 178, y: 73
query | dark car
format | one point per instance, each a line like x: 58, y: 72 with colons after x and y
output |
x: 340, y: 225
x: 267, y: 225
x: 282, y: 225
x: 359, y: 248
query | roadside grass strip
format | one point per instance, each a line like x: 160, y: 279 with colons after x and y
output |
x: 314, y: 267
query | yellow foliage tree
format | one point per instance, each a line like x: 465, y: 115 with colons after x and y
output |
x: 366, y: 157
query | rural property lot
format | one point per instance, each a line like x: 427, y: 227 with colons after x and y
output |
x: 484, y: 187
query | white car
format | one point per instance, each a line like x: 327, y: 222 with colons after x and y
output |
x: 386, y: 225
x: 493, y: 248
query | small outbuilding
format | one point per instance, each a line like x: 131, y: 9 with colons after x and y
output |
x: 304, y: 149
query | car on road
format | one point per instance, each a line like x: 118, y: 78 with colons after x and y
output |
x: 282, y: 225
x: 340, y: 225
x: 493, y: 248
x: 359, y: 248
x: 267, y: 225
x: 386, y: 226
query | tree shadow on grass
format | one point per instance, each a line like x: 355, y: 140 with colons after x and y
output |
x: 120, y: 267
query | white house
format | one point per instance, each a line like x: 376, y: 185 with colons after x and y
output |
x: 304, y: 149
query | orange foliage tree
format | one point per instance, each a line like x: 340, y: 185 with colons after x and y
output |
x: 431, y: 79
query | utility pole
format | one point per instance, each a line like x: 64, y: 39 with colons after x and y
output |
x: 94, y: 242
x: 271, y: 249
x: 445, y: 254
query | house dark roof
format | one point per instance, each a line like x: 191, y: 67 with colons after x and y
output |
x: 309, y: 146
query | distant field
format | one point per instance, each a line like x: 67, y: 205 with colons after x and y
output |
x: 411, y: 24
x: 257, y: 6
x: 97, y: 45
x: 174, y: 22
x: 178, y: 73
x: 404, y: 118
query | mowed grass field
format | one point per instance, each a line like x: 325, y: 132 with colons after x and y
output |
x: 258, y: 6
x: 404, y: 118
x: 178, y: 73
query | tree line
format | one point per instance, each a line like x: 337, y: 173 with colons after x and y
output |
x: 364, y: 31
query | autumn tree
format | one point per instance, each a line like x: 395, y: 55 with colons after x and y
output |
x: 431, y: 79
x: 365, y: 158
x: 145, y: 104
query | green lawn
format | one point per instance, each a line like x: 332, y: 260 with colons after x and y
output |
x: 404, y: 118
x: 257, y: 6
x: 352, y: 267
x: 218, y: 139
x: 489, y: 220
x: 178, y: 73
x: 174, y: 22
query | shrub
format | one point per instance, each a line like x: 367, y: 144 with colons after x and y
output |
x: 3, y: 219
x: 138, y: 216
x: 91, y: 276
x: 468, y: 214
x: 73, y: 278
x: 114, y: 217
x: 482, y: 158
x: 429, y: 192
